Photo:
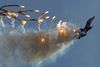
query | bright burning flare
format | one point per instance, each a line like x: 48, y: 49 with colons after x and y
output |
x: 12, y: 14
x: 27, y: 15
x: 53, y: 17
x: 36, y: 11
x: 61, y: 31
x: 23, y: 22
x: 74, y: 30
x: 46, y: 12
x: 47, y: 17
x: 42, y: 40
x: 41, y: 20
x: 21, y: 6
x: 77, y: 33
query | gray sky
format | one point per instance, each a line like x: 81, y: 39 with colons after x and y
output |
x: 86, y: 51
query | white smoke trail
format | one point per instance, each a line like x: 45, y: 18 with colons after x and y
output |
x: 1, y: 22
x: 34, y: 48
x: 12, y: 22
x: 22, y: 29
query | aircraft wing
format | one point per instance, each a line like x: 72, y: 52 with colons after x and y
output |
x: 88, y: 24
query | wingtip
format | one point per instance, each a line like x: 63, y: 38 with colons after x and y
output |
x: 93, y: 16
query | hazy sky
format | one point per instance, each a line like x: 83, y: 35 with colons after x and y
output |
x: 86, y: 51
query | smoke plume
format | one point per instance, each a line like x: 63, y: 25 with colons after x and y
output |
x: 34, y: 47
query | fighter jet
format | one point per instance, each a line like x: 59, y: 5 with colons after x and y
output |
x: 83, y: 31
